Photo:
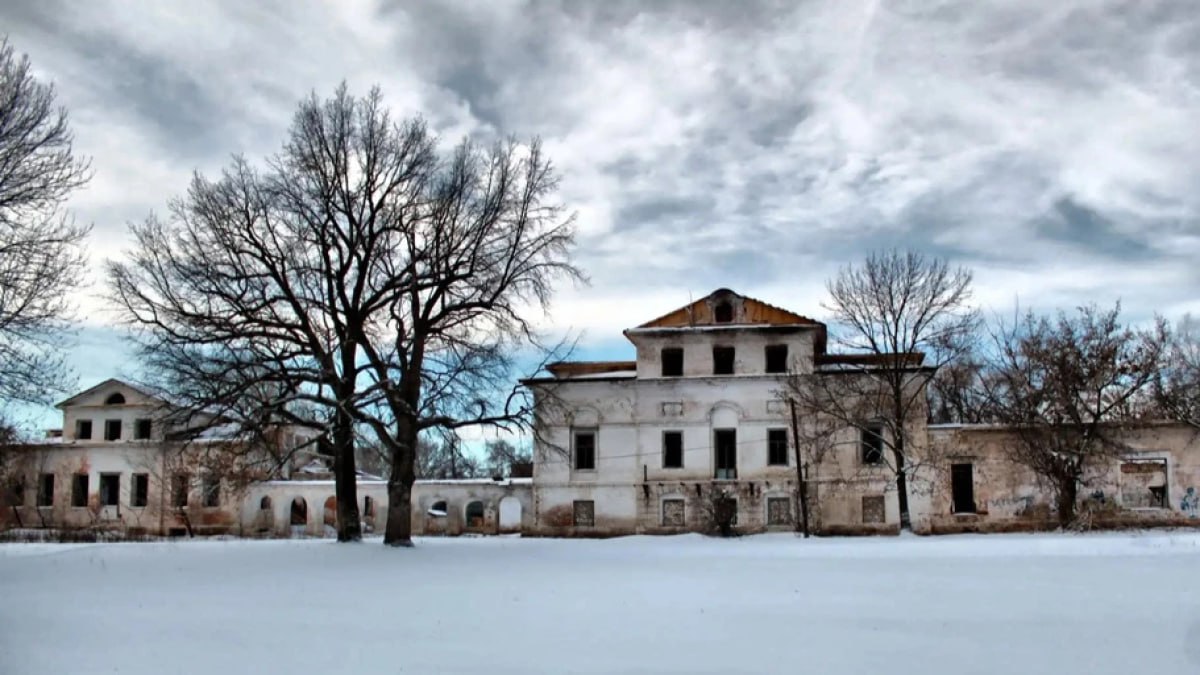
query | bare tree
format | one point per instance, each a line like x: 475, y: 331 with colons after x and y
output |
x: 1067, y: 388
x: 41, y: 259
x: 503, y: 456
x: 899, y: 316
x: 1177, y: 384
x: 956, y: 392
x: 361, y: 276
x: 445, y: 459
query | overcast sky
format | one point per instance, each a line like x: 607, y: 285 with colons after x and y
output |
x: 1053, y: 147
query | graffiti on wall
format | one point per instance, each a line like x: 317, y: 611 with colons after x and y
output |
x: 1190, y: 504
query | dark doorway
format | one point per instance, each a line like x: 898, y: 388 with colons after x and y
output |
x: 299, y: 511
x: 725, y: 443
x: 962, y: 487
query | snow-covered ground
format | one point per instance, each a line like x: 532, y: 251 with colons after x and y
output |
x: 1108, y: 603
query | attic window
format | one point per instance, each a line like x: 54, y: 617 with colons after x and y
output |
x: 723, y: 312
x: 115, y: 399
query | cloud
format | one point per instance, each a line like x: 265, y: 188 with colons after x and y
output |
x: 758, y: 146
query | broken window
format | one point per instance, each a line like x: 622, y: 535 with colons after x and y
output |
x: 723, y: 312
x: 439, y: 508
x: 112, y: 430
x: 873, y: 510
x: 962, y: 488
x: 179, y: 490
x: 672, y: 450
x: 141, y: 489
x: 83, y: 429
x: 673, y: 513
x: 779, y: 511
x: 584, y: 513
x: 672, y: 362
x: 79, y: 490
x: 1144, y: 484
x: 110, y: 489
x: 141, y: 429
x: 777, y: 447
x: 585, y: 450
x: 723, y: 360
x: 725, y: 445
x: 115, y: 399
x: 871, y: 444
x: 777, y: 357
x: 475, y: 514
x: 211, y: 488
x: 45, y: 495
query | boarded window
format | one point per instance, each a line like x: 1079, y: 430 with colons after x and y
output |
x: 112, y: 430
x: 141, y: 429
x: 725, y: 446
x: 871, y: 444
x: 584, y: 513
x: 212, y: 490
x: 110, y: 489
x: 777, y: 358
x: 673, y: 513
x: 779, y: 511
x: 723, y: 360
x: 873, y: 510
x: 777, y: 447
x: 776, y: 407
x: 83, y: 429
x: 585, y: 450
x: 962, y: 487
x: 1144, y: 484
x: 672, y: 408
x: 141, y: 489
x: 723, y: 312
x: 45, y: 495
x: 179, y: 490
x: 672, y: 362
x: 79, y: 490
x: 672, y: 449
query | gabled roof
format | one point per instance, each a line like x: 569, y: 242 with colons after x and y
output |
x: 748, y: 311
x: 74, y: 400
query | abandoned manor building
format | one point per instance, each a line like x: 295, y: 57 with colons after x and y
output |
x: 649, y: 445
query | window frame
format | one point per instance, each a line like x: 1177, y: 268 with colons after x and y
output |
x: 139, y: 490
x: 575, y: 434
x: 674, y: 351
x: 717, y: 468
x: 110, y: 424
x: 80, y: 426
x: 575, y: 522
x: 110, y: 489
x: 138, y: 429
x: 674, y: 433
x: 776, y: 350
x: 79, y: 497
x: 772, y: 446
x: 210, y: 491
x: 718, y: 362
x: 867, y: 447
x: 181, y: 488
x: 45, y: 498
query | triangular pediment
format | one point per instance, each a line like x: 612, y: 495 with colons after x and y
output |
x: 111, y: 392
x: 725, y: 307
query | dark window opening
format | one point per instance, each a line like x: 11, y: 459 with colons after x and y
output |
x: 79, y: 490
x: 16, y: 492
x: 585, y: 450
x: 141, y: 430
x: 83, y: 428
x: 871, y: 444
x: 475, y: 514
x: 115, y: 399
x: 265, y: 503
x: 112, y: 430
x: 672, y: 362
x: 672, y: 449
x: 777, y: 356
x: 962, y: 487
x: 179, y: 490
x: 45, y: 495
x: 299, y: 512
x: 211, y: 488
x: 110, y: 489
x: 725, y: 442
x: 584, y: 513
x: 439, y: 508
x: 368, y: 507
x: 777, y: 447
x: 723, y: 312
x: 141, y: 489
x: 722, y: 360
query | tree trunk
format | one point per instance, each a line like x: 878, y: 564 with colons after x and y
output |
x: 399, y: 518
x: 1068, y: 493
x: 345, y: 475
x: 901, y: 480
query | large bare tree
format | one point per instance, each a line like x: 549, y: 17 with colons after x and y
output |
x: 1066, y: 388
x: 898, y: 317
x: 362, y: 275
x: 41, y: 260
x: 1177, y: 385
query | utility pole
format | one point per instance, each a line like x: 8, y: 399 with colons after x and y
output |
x: 799, y: 469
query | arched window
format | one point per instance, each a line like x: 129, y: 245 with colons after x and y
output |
x: 265, y: 504
x: 115, y: 399
x: 723, y: 312
x: 299, y: 511
x: 439, y: 508
x: 475, y: 514
x: 368, y: 507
